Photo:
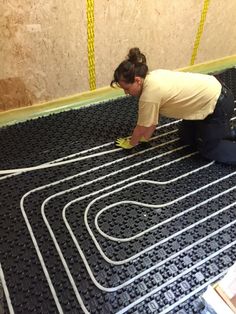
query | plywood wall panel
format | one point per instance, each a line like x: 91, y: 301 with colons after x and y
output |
x: 218, y: 39
x: 45, y: 47
x: 164, y: 30
x: 44, y: 43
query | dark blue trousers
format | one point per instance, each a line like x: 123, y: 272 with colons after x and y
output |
x: 211, y: 136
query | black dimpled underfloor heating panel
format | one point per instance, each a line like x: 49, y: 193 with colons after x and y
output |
x: 86, y: 227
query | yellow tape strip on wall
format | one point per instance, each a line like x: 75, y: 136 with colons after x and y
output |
x: 90, y: 44
x: 199, y: 31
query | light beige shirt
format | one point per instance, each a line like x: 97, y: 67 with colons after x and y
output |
x: 180, y: 95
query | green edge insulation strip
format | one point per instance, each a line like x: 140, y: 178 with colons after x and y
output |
x: 97, y: 96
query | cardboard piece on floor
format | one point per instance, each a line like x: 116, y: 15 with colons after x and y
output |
x: 222, y: 296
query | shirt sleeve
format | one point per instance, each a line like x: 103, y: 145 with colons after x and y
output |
x: 148, y: 113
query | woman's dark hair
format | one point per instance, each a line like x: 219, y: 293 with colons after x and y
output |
x: 133, y: 65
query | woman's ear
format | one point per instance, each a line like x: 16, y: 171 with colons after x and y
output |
x: 138, y: 80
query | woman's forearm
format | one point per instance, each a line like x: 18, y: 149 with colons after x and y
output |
x: 140, y: 131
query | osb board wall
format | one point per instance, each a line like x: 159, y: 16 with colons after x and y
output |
x: 164, y: 29
x: 43, y: 50
x: 44, y: 43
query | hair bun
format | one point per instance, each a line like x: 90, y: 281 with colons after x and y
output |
x: 135, y: 56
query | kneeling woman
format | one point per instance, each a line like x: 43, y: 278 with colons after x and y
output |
x: 205, y: 106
